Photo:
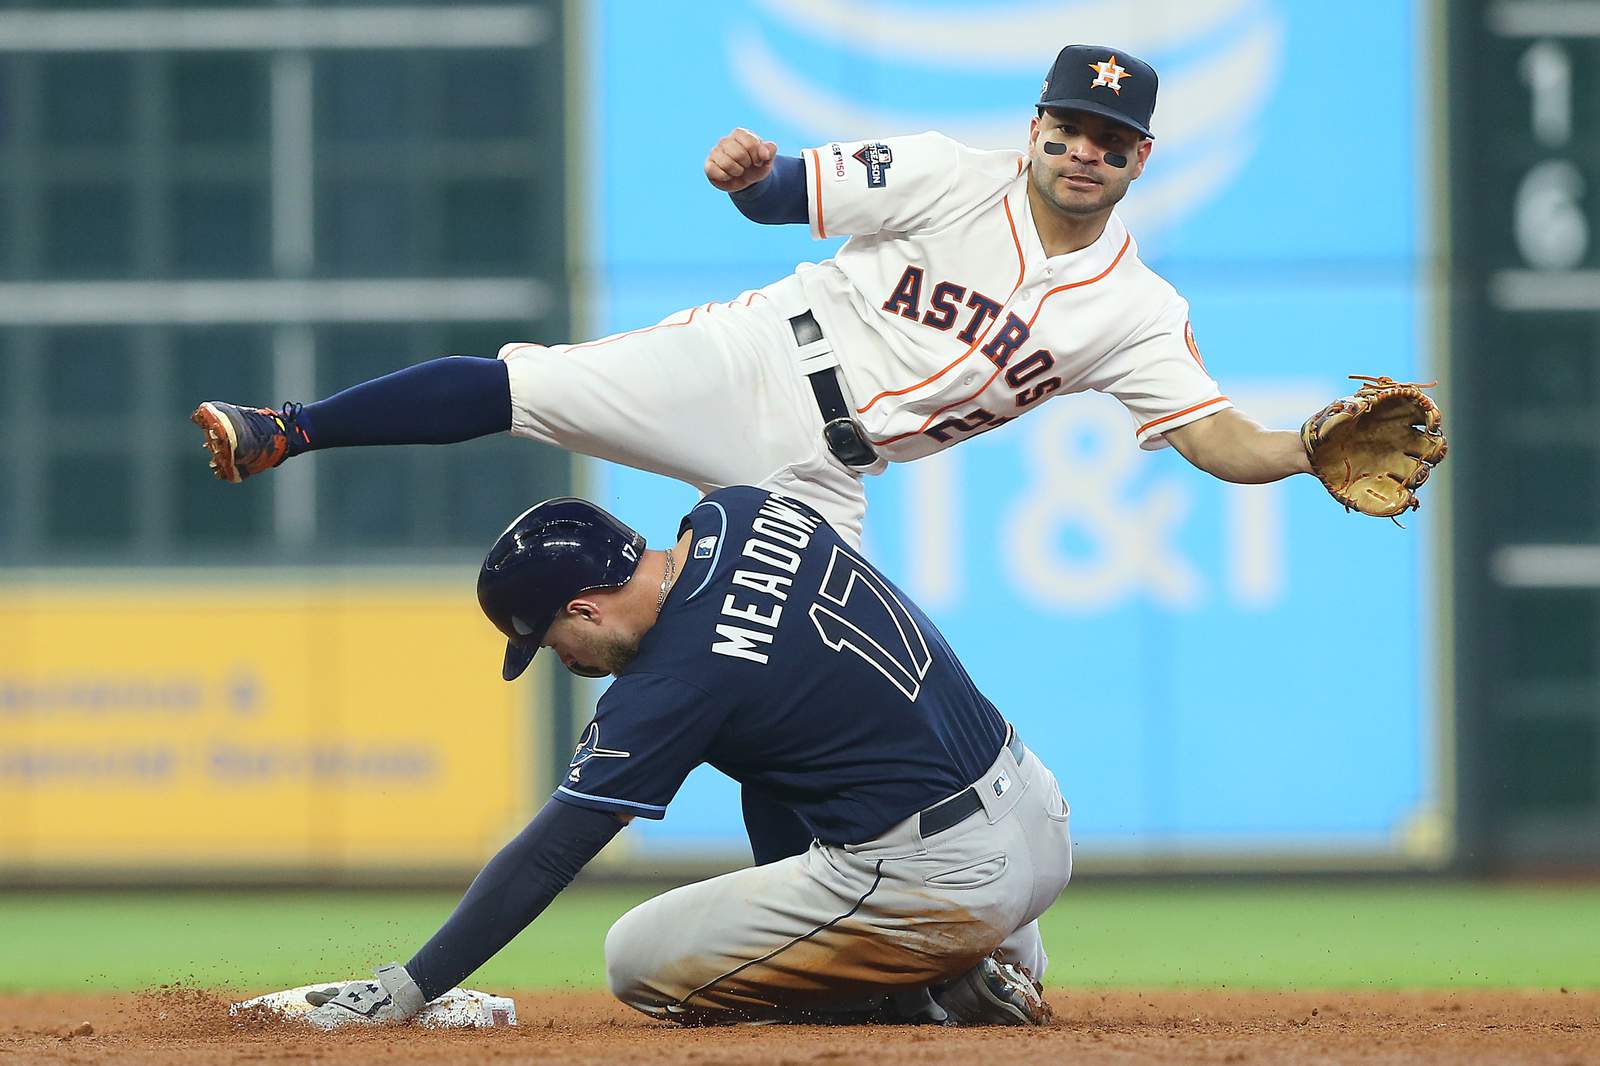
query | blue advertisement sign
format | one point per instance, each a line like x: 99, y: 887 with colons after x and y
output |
x: 1184, y: 653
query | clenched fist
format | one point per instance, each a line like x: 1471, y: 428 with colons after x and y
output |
x: 740, y: 160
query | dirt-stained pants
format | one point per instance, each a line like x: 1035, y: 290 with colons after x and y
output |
x: 839, y: 927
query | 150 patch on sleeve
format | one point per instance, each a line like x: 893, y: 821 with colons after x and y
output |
x: 836, y: 157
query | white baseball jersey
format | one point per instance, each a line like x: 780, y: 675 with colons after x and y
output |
x: 949, y: 319
x: 945, y: 315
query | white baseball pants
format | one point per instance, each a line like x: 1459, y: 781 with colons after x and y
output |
x: 712, y: 396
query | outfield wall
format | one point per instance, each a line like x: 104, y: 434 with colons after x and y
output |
x: 318, y: 726
x: 1189, y: 656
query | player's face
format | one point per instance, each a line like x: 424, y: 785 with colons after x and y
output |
x: 589, y: 646
x: 1080, y: 181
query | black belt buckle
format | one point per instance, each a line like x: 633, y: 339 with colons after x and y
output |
x: 848, y: 444
x: 839, y: 430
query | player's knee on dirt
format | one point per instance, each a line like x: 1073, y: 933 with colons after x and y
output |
x: 647, y: 968
x: 633, y: 961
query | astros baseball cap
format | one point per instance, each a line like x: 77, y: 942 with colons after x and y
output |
x: 554, y: 551
x: 1106, y: 81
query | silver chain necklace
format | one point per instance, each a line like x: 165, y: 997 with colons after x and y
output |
x: 666, y: 580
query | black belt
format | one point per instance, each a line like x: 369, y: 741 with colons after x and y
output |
x: 844, y: 438
x: 964, y: 804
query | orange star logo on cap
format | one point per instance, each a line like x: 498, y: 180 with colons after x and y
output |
x: 1109, y: 74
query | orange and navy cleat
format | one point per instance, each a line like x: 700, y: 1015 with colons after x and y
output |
x: 994, y: 993
x: 247, y: 440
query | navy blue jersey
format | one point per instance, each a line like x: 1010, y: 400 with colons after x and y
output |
x: 782, y: 658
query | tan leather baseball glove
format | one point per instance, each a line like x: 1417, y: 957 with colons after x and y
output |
x: 1374, y: 449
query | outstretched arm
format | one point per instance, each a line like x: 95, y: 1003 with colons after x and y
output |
x: 1233, y: 447
x: 510, y: 892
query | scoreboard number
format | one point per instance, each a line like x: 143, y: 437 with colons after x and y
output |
x: 1547, y: 69
x: 1552, y: 231
x: 1549, y: 224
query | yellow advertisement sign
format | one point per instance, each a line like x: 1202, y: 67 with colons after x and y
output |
x: 321, y: 727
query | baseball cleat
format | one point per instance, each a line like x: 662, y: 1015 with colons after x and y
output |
x: 244, y: 441
x: 995, y: 993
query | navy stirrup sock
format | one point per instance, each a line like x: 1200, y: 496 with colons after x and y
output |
x: 442, y: 401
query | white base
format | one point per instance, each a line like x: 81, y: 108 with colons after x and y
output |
x: 459, y: 1008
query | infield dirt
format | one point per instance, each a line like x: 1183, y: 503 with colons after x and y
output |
x: 185, y: 1025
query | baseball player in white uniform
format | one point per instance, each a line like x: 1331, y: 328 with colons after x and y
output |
x: 974, y: 286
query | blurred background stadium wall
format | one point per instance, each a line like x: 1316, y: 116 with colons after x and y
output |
x: 1525, y: 382
x: 289, y: 680
x: 1145, y: 628
x: 255, y: 202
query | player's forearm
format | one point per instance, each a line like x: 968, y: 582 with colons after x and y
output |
x: 1258, y: 458
x: 1232, y: 447
x: 510, y: 892
x: 778, y: 198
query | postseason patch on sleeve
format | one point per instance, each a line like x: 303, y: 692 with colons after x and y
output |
x: 876, y: 158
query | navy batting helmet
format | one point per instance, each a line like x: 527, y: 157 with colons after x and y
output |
x: 556, y: 550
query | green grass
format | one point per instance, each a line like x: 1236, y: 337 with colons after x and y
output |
x: 1377, y: 935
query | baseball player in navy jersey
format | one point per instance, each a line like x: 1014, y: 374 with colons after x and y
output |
x: 975, y: 285
x: 906, y: 837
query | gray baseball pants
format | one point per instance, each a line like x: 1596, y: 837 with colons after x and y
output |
x: 838, y: 928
